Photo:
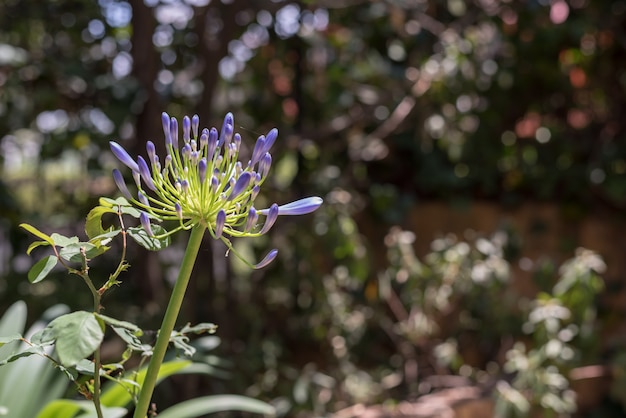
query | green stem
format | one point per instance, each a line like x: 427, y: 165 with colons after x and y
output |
x: 169, y: 320
x: 84, y: 273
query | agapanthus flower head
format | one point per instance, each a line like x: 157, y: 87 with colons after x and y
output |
x: 203, y: 182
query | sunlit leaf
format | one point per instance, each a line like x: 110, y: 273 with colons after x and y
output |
x: 37, y: 233
x: 93, y: 225
x: 36, y: 244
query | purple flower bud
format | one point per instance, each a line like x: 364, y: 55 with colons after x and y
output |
x: 195, y: 124
x: 204, y: 140
x: 202, y: 170
x: 179, y: 210
x: 151, y: 151
x: 257, y: 178
x: 137, y: 178
x: 143, y: 199
x: 214, y: 183
x: 232, y: 150
x: 265, y: 164
x: 255, y: 191
x: 186, y: 151
x: 253, y: 217
x: 299, y: 207
x: 165, y: 120
x: 226, y: 136
x: 268, y: 259
x: 123, y: 156
x: 229, y: 120
x: 220, y: 220
x: 145, y: 173
x: 270, y: 139
x: 174, y: 132
x: 119, y: 181
x: 258, y: 149
x: 186, y: 129
x: 168, y: 161
x: 185, y: 185
x: 145, y: 222
x: 242, y: 184
x: 272, y: 215
x: 212, y: 143
x: 237, y: 140
x: 238, y: 168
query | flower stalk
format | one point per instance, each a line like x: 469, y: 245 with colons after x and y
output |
x: 169, y: 321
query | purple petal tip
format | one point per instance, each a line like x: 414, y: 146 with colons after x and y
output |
x: 267, y: 260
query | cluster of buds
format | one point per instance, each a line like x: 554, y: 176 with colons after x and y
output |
x: 201, y: 181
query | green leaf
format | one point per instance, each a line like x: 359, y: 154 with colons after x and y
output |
x: 103, y: 239
x: 181, y: 342
x: 77, y: 335
x: 217, y: 403
x: 126, y: 207
x: 37, y: 233
x: 63, y: 241
x: 199, y: 328
x: 29, y: 351
x: 133, y: 342
x: 62, y: 408
x: 42, y: 268
x: 73, y: 252
x: 120, y: 324
x: 151, y: 243
x: 119, y: 394
x: 67, y: 408
x: 93, y: 225
x: 34, y: 245
x: 9, y: 339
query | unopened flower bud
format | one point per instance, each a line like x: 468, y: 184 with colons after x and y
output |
x: 165, y: 120
x: 179, y: 210
x: 253, y: 217
x: 145, y: 222
x: 121, y: 184
x: 145, y: 173
x: 268, y: 259
x: 227, y: 129
x: 195, y: 124
x: 174, y: 132
x: 265, y: 164
x: 269, y: 140
x: 299, y: 207
x: 123, y: 156
x: 272, y: 215
x: 242, y: 184
x: 151, y: 151
x: 220, y: 220
x: 202, y: 167
x: 186, y: 129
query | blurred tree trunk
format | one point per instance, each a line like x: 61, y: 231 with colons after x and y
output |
x: 146, y: 62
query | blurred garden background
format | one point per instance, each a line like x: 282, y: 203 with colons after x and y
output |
x: 470, y: 254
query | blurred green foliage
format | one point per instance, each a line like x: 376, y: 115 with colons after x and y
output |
x: 381, y: 106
